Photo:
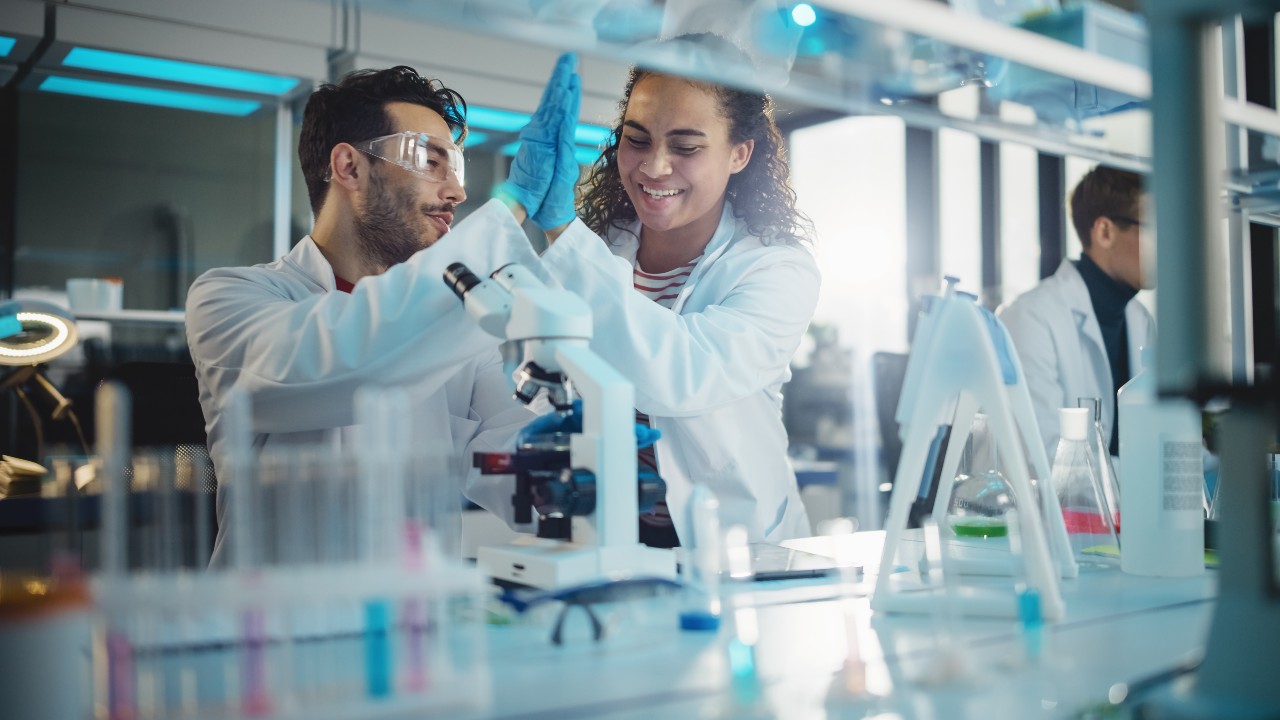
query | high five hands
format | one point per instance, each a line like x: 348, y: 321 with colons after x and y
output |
x: 544, y: 171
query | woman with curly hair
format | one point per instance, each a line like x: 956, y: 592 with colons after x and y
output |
x: 701, y: 291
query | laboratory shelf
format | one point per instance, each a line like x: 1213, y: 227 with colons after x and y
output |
x: 135, y: 317
x: 1253, y: 172
x: 1071, y: 83
x: 923, y: 61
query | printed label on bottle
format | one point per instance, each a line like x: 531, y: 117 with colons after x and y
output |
x: 1182, y: 475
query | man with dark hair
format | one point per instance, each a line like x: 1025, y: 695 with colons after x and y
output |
x: 1080, y: 331
x: 357, y: 302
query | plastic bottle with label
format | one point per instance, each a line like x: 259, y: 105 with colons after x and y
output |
x: 1161, y: 480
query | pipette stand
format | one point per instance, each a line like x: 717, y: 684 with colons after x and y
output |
x: 962, y: 360
x: 555, y: 328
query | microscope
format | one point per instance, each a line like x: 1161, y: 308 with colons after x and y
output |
x: 586, y: 466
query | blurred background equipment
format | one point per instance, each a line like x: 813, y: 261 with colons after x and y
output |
x: 34, y: 332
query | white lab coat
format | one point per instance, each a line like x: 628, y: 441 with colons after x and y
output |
x: 1058, y: 339
x: 301, y: 350
x: 709, y: 371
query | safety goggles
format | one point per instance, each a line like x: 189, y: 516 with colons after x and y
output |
x: 1127, y: 221
x: 423, y: 155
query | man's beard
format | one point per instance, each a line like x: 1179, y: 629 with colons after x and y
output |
x: 384, y: 235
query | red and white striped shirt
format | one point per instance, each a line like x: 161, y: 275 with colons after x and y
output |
x: 664, y: 287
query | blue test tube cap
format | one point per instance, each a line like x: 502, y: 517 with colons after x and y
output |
x: 699, y: 620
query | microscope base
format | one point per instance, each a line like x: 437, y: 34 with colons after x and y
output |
x: 550, y: 564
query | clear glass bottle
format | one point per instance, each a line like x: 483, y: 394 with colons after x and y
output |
x: 981, y: 495
x: 1077, y: 479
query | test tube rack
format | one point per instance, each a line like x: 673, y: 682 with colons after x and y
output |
x: 339, y: 597
x: 341, y: 641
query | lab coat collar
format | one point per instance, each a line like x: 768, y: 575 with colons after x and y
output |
x: 1081, y: 305
x: 306, y: 258
x: 725, y: 232
x: 628, y: 241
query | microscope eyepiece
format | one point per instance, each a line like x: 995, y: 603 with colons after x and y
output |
x: 460, y: 279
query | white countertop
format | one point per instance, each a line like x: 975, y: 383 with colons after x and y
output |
x: 1117, y: 629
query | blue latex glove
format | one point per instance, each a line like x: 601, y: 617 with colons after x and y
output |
x: 534, y: 165
x: 572, y: 423
x: 558, y: 206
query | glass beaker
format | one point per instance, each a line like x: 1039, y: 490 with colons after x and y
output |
x: 1101, y: 444
x: 980, y: 495
x: 1078, y: 481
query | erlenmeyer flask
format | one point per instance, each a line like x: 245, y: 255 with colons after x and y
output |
x: 981, y: 496
x: 1077, y: 478
x: 1101, y: 445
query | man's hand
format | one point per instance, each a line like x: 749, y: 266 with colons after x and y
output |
x: 533, y: 168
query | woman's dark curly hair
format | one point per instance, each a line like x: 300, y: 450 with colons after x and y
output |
x: 355, y: 109
x: 761, y: 192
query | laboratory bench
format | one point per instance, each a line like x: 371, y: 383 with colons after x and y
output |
x: 781, y: 649
x: 1120, y: 631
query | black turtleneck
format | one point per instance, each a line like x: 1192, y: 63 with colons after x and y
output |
x: 1109, y: 297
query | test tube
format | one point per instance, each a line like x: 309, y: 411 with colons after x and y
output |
x: 112, y: 413
x: 744, y: 677
x: 246, y: 553
x: 1030, y: 618
x: 854, y: 669
x: 382, y: 418
x: 945, y: 615
x: 286, y: 520
x: 702, y: 562
x: 418, y: 558
x: 154, y: 469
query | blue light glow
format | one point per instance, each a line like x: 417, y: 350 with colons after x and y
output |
x: 508, y: 121
x: 179, y: 71
x: 149, y: 96
x: 475, y: 138
x: 6, y: 45
x: 584, y: 155
x: 590, y: 135
x: 500, y: 120
x: 804, y: 14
